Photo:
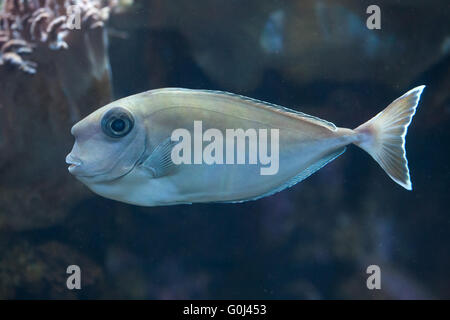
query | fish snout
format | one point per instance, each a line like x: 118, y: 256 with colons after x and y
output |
x: 74, y: 163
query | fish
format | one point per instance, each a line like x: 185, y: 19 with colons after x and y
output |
x: 130, y: 149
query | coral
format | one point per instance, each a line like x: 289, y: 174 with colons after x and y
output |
x: 25, y: 24
x: 71, y: 80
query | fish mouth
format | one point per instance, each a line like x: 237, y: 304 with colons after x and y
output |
x: 78, y: 168
x: 74, y: 163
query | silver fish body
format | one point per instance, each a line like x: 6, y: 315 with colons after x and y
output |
x: 136, y: 168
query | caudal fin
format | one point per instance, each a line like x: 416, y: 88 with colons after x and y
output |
x: 383, y: 136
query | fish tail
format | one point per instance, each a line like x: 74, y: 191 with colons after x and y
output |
x: 383, y: 136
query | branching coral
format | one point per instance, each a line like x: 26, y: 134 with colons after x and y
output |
x: 25, y: 24
x: 71, y: 78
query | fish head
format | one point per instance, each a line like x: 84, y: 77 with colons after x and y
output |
x: 108, y: 144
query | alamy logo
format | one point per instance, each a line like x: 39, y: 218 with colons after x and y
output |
x: 374, y: 20
x: 374, y: 280
x: 73, y: 18
x: 234, y: 150
x: 74, y: 280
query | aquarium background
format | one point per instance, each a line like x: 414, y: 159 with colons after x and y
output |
x: 313, y: 241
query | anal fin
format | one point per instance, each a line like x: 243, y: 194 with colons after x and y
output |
x: 299, y: 177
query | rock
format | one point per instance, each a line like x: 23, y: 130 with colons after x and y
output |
x: 38, y: 111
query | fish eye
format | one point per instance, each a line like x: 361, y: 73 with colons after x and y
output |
x: 117, y: 122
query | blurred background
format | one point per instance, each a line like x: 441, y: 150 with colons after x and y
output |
x: 313, y: 241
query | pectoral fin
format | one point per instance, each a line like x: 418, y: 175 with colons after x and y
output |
x: 159, y: 162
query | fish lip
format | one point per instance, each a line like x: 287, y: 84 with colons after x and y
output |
x: 76, y: 167
x: 73, y: 163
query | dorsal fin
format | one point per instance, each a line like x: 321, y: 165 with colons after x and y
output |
x: 264, y: 104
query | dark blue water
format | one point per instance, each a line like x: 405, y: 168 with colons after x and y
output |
x: 312, y: 241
